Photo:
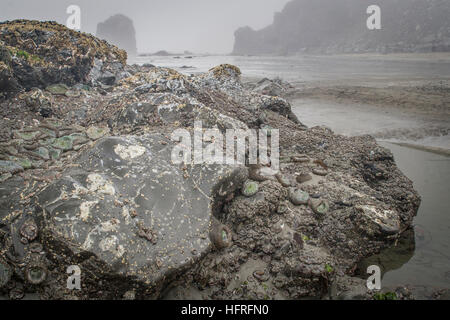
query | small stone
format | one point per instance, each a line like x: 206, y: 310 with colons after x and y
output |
x: 27, y: 136
x: 298, y: 197
x: 43, y: 153
x: 300, y: 159
x: 95, y: 133
x: 57, y: 89
x: 320, y: 172
x: 304, y: 177
x: 64, y: 143
x: 250, y: 188
x: 261, y: 275
x: 79, y: 138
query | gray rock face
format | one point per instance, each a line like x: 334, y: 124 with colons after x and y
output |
x: 142, y: 217
x: 119, y: 30
x: 105, y: 196
x: 327, y: 26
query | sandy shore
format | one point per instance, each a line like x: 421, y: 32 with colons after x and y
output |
x: 410, y: 113
x: 430, y: 99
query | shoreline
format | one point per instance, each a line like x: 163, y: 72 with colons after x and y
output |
x: 430, y: 149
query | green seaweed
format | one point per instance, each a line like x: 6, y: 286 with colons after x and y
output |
x: 385, y: 296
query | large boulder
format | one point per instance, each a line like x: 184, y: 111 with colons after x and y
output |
x: 143, y: 218
x: 45, y: 53
x: 104, y: 194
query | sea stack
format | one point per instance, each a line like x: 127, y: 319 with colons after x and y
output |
x: 119, y: 30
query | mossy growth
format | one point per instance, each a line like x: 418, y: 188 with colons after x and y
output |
x: 385, y: 296
x: 22, y: 54
x: 329, y: 268
x: 30, y: 58
x: 226, y: 70
x: 82, y: 44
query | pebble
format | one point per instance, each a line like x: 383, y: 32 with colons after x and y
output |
x: 300, y: 159
x: 95, y: 133
x: 304, y: 177
x: 57, y: 89
x: 320, y: 172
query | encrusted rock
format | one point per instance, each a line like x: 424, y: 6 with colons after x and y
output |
x: 298, y: 197
x: 70, y: 65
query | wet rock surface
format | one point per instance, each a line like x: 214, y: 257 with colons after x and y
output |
x: 91, y: 183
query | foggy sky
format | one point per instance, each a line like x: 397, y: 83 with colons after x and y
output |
x: 172, y: 25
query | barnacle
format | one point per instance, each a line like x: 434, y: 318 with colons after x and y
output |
x: 29, y: 230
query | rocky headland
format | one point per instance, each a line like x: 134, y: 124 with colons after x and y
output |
x: 86, y: 179
x: 329, y: 27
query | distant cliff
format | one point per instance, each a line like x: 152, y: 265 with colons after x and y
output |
x: 119, y: 30
x: 330, y: 26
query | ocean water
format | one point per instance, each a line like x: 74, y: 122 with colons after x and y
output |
x: 313, y: 68
x: 422, y: 256
x: 358, y: 70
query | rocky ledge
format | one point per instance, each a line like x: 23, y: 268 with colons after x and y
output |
x: 38, y: 54
x: 87, y: 179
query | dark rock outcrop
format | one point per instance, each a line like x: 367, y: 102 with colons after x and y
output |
x: 95, y: 186
x: 38, y: 54
x: 328, y: 26
x: 119, y: 30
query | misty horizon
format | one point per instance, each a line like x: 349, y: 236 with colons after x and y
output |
x: 205, y: 26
